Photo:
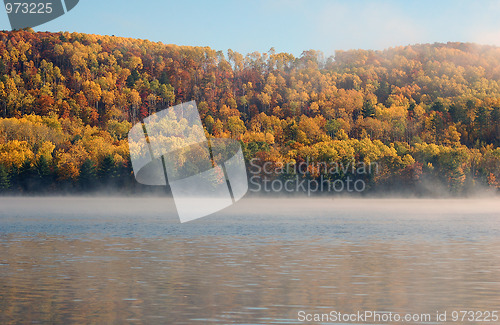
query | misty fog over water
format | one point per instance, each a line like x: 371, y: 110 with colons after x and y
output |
x: 261, y: 261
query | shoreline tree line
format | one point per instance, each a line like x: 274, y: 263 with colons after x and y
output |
x: 428, y: 114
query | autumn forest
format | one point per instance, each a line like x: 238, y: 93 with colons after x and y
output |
x: 427, y: 114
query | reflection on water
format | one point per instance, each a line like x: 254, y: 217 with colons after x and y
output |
x: 252, y: 268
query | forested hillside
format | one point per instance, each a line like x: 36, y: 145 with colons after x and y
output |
x: 425, y: 113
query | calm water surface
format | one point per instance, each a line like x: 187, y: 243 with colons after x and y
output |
x: 128, y: 261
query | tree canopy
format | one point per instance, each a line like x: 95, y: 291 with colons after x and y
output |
x: 429, y: 111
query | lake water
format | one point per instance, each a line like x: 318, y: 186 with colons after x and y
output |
x: 262, y: 261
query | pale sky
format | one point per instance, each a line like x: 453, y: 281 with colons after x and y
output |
x: 289, y: 26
